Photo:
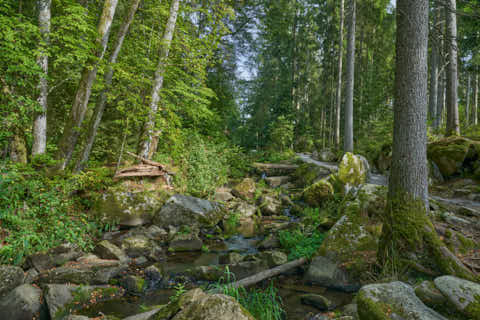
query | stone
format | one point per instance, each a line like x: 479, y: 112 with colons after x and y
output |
x: 245, y: 209
x: 223, y: 196
x: 197, y: 305
x: 136, y: 246
x: 309, y: 173
x: 318, y: 192
x: 395, y: 300
x: 247, y: 227
x: 317, y: 301
x: 10, y: 278
x: 351, y: 310
x: 274, y: 258
x: 326, y: 155
x: 352, y: 171
x: 89, y: 271
x: 231, y: 258
x: 133, y: 284
x: 270, y: 242
x: 463, y: 294
x: 144, y: 316
x: 430, y: 295
x: 128, y: 205
x: 270, y: 205
x: 275, y: 182
x: 186, y: 242
x: 54, y: 257
x: 107, y: 250
x: 75, y: 317
x: 62, y: 299
x: 182, y: 210
x: 326, y: 273
x: 156, y: 233
x: 31, y: 275
x: 245, y: 189
x: 434, y: 174
x: 22, y: 303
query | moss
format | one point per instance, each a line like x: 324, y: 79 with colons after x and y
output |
x: 467, y: 244
x: 317, y: 193
x: 351, y: 170
x: 371, y: 310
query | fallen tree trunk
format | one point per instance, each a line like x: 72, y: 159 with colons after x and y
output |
x: 256, y: 278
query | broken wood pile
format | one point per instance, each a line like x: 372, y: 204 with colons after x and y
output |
x: 147, y: 168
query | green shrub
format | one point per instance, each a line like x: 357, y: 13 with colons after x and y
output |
x: 38, y: 212
x: 281, y: 134
x: 300, y: 244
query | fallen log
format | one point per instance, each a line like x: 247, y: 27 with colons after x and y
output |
x: 275, y: 166
x: 249, y: 281
x: 146, y: 161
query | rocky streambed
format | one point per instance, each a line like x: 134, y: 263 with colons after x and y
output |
x: 167, y: 255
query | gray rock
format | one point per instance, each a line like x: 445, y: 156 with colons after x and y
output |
x: 23, y: 303
x: 223, y: 196
x: 395, y: 300
x: 350, y: 310
x: 245, y: 190
x: 245, y: 209
x: 325, y: 155
x: 324, y: 272
x: 182, y: 210
x: 10, y: 278
x: 430, y: 295
x: 185, y: 242
x: 31, y: 275
x: 107, y: 250
x: 463, y: 294
x: 275, y: 182
x: 274, y: 258
x: 133, y: 284
x: 270, y: 242
x: 54, y: 257
x: 270, y: 205
x: 144, y: 316
x: 317, y: 301
x: 137, y: 246
x: 156, y: 233
x: 232, y: 258
x: 75, y: 317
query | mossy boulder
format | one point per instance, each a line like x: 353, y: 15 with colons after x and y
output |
x: 317, y: 301
x: 186, y: 242
x: 463, y: 294
x: 430, y: 295
x: 23, y: 303
x: 395, y: 300
x: 352, y: 170
x: 136, y: 246
x: 10, y: 278
x: 353, y: 241
x: 308, y: 173
x: 270, y: 205
x: 452, y: 154
x: 129, y: 205
x: 245, y: 189
x: 318, y: 192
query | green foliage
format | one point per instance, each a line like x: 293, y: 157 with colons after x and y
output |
x: 38, y: 212
x: 179, y: 291
x: 262, y: 304
x: 300, y: 244
x: 281, y: 134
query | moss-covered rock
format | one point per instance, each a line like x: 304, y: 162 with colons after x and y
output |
x: 395, y: 300
x: 129, y: 205
x: 245, y: 189
x: 463, y: 294
x: 317, y: 301
x: 352, y: 170
x: 186, y: 242
x: 430, y: 295
x: 10, y: 278
x: 270, y: 205
x: 136, y: 246
x: 308, y: 173
x: 23, y: 303
x: 318, y: 192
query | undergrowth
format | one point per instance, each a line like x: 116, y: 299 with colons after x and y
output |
x: 300, y: 244
x: 38, y: 212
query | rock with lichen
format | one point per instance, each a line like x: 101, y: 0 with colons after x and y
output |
x: 318, y: 192
x: 245, y: 189
x: 463, y: 294
x: 352, y: 170
x: 395, y: 300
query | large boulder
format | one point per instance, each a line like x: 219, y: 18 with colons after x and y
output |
x: 127, y: 204
x: 352, y: 170
x: 54, y: 257
x: 181, y: 210
x: 23, y: 303
x: 452, y: 154
x: 395, y: 300
x: 325, y: 155
x: 430, y: 295
x: 270, y: 205
x: 463, y: 294
x: 318, y: 192
x: 245, y: 190
x: 10, y: 278
x: 107, y: 250
x: 326, y: 273
x: 309, y: 173
x: 198, y: 305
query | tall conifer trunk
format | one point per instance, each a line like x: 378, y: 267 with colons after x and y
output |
x: 338, y: 107
x: 453, y: 122
x: 348, y: 143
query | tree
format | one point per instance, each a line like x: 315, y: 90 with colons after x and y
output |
x: 475, y: 100
x: 102, y: 98
x: 408, y: 236
x: 146, y: 145
x: 467, y: 104
x: 432, y: 100
x: 40, y: 121
x: 348, y: 143
x: 340, y: 71
x: 453, y: 122
x: 72, y: 128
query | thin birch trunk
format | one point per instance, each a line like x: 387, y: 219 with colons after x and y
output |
x: 338, y: 107
x: 40, y: 122
x: 348, y: 143
x: 453, y: 123
x: 467, y: 105
x: 89, y: 74
x: 102, y: 98
x: 146, y: 145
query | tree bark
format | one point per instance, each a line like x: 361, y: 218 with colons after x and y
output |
x: 453, y: 123
x: 102, y: 98
x: 40, y: 122
x: 338, y: 107
x: 348, y: 143
x: 408, y: 236
x: 467, y: 104
x: 475, y: 100
x: 432, y: 101
x: 146, y: 145
x: 75, y: 119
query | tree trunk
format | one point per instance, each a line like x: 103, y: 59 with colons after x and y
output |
x: 453, y: 123
x: 408, y: 237
x: 102, y: 99
x: 441, y: 69
x: 146, y: 145
x: 348, y: 143
x: 432, y: 101
x: 475, y: 100
x: 40, y: 122
x: 467, y: 105
x: 338, y: 107
x: 75, y: 119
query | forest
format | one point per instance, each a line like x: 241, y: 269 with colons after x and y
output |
x: 239, y: 160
